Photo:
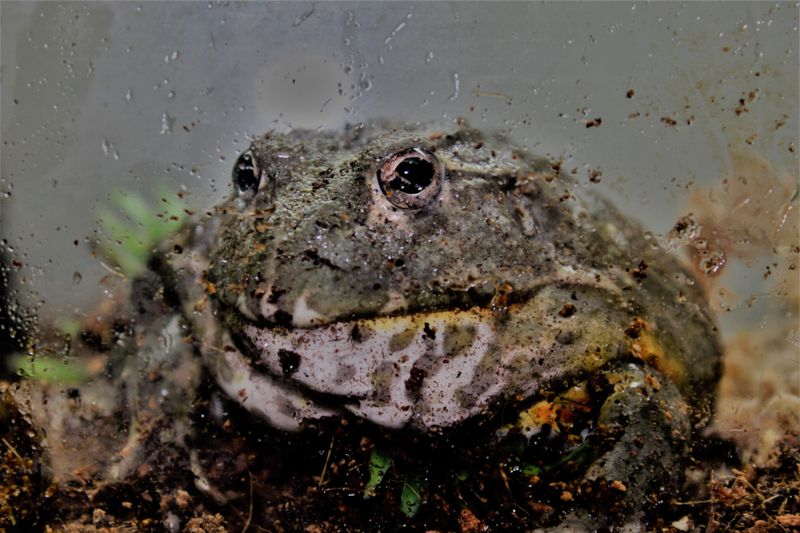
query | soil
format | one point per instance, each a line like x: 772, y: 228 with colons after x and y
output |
x: 243, y: 476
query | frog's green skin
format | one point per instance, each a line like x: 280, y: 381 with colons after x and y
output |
x: 315, y: 296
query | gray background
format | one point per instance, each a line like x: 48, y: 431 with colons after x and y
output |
x: 102, y: 96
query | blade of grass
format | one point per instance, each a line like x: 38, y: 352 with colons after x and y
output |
x: 134, y: 206
x: 379, y: 463
x: 50, y: 369
x: 411, y: 498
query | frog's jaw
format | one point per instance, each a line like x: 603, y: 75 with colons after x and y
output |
x: 284, y: 406
x: 438, y: 368
x: 429, y: 370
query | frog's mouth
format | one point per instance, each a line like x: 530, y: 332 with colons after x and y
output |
x: 426, y: 368
x: 429, y: 369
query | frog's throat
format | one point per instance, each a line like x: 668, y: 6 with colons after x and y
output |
x: 429, y: 370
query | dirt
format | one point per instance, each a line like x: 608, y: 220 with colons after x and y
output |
x: 243, y: 476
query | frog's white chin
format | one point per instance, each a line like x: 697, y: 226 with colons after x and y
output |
x: 393, y: 371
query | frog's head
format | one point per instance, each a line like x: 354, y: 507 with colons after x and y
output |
x: 355, y: 265
x: 324, y: 229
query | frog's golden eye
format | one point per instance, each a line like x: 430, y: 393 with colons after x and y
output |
x: 246, y: 173
x: 410, y: 179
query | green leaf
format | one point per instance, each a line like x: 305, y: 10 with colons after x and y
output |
x: 411, y: 498
x: 121, y: 245
x: 129, y: 243
x: 531, y: 470
x: 50, y: 369
x: 68, y: 325
x: 134, y: 206
x: 379, y: 463
x: 579, y: 455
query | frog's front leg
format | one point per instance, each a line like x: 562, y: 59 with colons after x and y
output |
x: 645, y: 422
x: 161, y: 377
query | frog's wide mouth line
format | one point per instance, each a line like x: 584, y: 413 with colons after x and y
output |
x: 498, y: 302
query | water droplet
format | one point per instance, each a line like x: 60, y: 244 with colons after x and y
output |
x: 302, y: 18
x: 129, y: 95
x: 456, y: 86
x: 166, y: 123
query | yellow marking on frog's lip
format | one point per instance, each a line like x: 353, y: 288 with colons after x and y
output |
x: 644, y: 345
x: 418, y: 319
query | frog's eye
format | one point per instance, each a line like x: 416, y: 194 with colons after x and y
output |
x: 411, y: 178
x: 246, y: 174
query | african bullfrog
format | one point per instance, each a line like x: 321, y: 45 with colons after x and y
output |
x: 438, y: 284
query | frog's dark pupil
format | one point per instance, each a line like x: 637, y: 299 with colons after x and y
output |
x: 412, y: 175
x: 244, y: 173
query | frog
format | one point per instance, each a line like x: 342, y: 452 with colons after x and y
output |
x: 449, y: 285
